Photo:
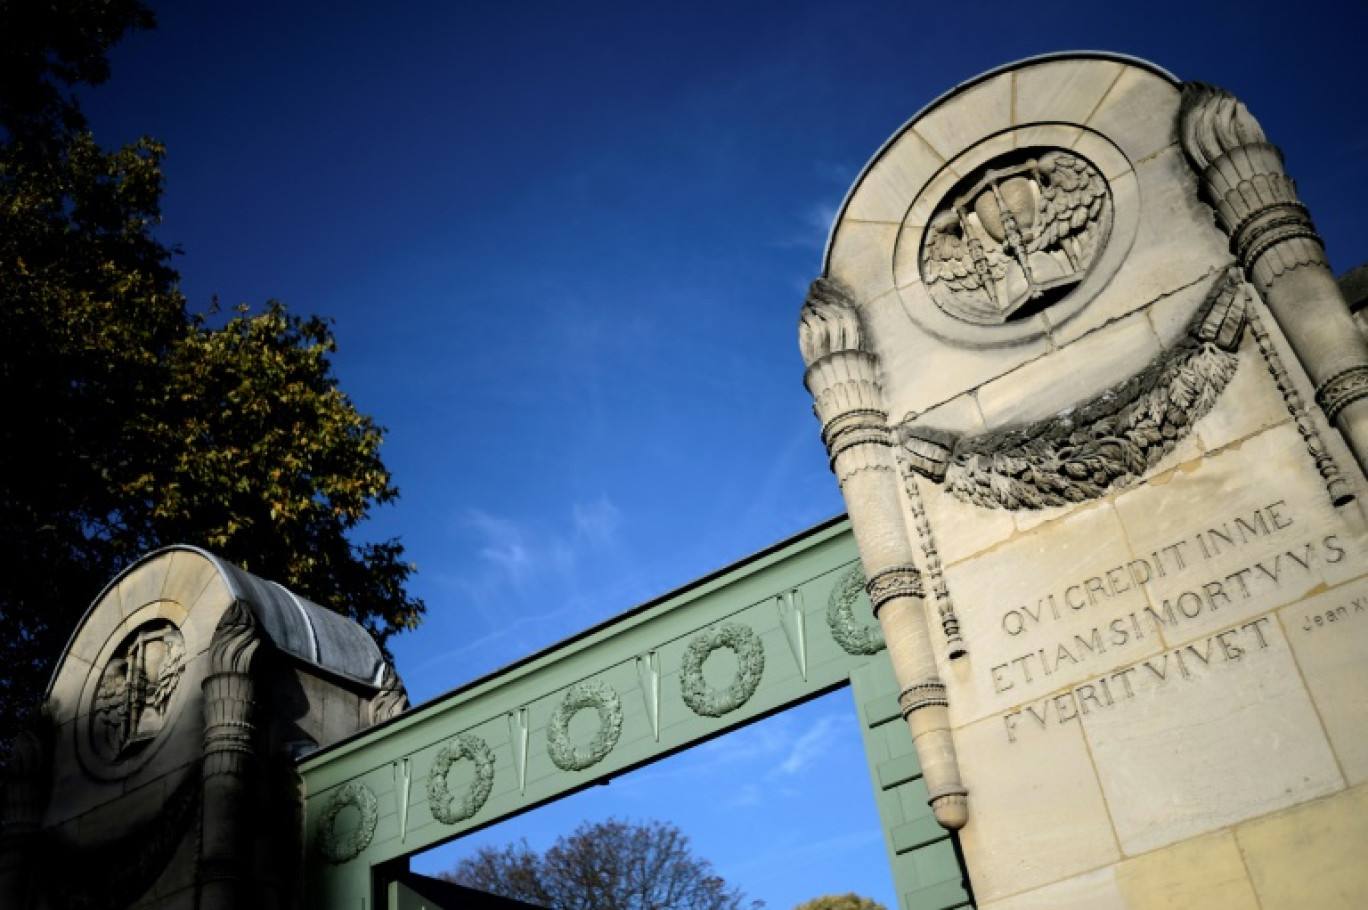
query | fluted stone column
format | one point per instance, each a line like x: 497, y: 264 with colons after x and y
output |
x: 842, y: 377
x: 224, y: 876
x: 21, y: 810
x: 1276, y: 244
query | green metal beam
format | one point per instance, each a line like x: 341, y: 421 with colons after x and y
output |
x: 374, y: 798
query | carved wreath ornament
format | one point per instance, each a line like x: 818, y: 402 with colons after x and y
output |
x: 594, y: 694
x: 855, y: 638
x: 444, y: 807
x: 702, y: 698
x: 339, y: 848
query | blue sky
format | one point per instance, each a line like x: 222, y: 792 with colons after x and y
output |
x: 565, y: 246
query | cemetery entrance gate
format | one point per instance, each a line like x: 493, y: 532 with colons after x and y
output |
x: 618, y: 696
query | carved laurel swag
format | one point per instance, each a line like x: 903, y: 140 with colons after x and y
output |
x: 594, y: 694
x: 337, y: 847
x: 1115, y: 437
x: 855, y: 638
x: 702, y: 698
x: 445, y: 807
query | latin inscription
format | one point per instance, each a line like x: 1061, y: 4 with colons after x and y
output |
x: 1121, y: 685
x: 1277, y: 555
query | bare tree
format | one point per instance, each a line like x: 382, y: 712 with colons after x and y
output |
x: 841, y: 902
x: 608, y: 865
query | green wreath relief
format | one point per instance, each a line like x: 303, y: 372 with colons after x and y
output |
x: 337, y: 849
x: 589, y: 694
x: 702, y: 698
x: 855, y: 638
x: 441, y: 803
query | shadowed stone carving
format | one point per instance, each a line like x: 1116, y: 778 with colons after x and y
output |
x: 229, y: 704
x: 135, y: 690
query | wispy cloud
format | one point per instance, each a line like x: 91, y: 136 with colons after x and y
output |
x: 522, y: 552
x: 810, y: 746
x: 505, y: 544
x: 793, y: 852
x: 807, y: 228
x: 597, y: 522
x: 519, y: 585
x: 771, y: 756
x: 819, y: 217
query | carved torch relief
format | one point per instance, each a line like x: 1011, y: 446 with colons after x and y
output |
x: 1016, y: 236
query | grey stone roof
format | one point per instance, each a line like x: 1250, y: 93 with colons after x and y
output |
x: 302, y: 628
x: 295, y: 625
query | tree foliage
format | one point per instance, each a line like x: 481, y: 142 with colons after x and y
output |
x: 132, y: 424
x: 608, y: 865
x: 841, y: 902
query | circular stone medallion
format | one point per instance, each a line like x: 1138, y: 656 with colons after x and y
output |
x: 1016, y: 236
x: 132, y: 700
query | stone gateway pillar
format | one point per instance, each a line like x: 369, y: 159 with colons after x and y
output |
x: 1100, y: 417
x: 162, y: 773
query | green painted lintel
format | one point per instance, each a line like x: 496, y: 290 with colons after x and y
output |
x: 899, y: 770
x: 917, y: 833
x: 881, y: 710
x: 947, y: 895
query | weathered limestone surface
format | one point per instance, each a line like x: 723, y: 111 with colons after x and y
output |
x: 1125, y: 402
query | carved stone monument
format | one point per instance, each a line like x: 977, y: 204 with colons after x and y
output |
x: 1098, y: 411
x: 162, y: 772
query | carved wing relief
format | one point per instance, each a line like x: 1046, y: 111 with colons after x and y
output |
x: 960, y: 261
x: 1072, y: 198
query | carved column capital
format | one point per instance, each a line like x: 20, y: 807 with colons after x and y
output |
x: 842, y: 376
x: 1242, y: 175
x: 236, y: 639
x: 392, y: 697
x: 1272, y: 237
x: 928, y: 694
x: 896, y: 581
x: 1342, y: 389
